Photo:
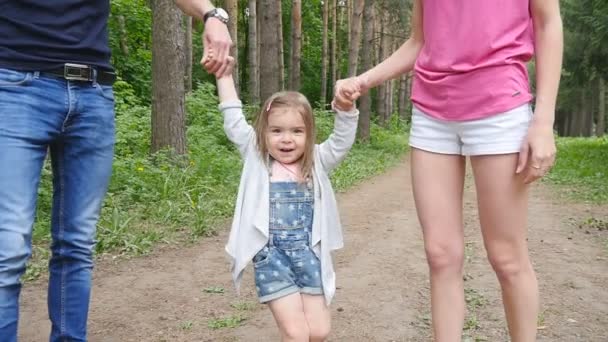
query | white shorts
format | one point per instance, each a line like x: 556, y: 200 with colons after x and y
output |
x: 497, y: 134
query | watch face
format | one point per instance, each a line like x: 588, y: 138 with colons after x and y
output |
x: 222, y: 13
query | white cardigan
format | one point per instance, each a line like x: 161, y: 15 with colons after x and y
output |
x: 249, y: 232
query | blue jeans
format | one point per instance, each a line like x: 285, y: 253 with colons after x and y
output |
x: 75, y: 122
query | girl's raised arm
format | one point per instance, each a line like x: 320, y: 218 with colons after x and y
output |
x: 236, y: 126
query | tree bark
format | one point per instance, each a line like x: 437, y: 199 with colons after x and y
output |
x: 402, y: 102
x: 188, y: 57
x: 382, y: 88
x: 367, y: 57
x: 355, y: 37
x: 168, y: 111
x: 324, y: 54
x: 600, y: 128
x: 124, y: 45
x: 334, y: 44
x: 281, y: 52
x: 252, y: 41
x: 233, y: 13
x: 296, y: 45
x: 270, y: 74
x: 589, y: 109
x: 579, y: 120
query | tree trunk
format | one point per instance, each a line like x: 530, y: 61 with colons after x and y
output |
x: 188, y: 58
x: 254, y: 77
x: 367, y: 58
x: 402, y: 104
x: 382, y: 88
x: 600, y: 128
x: 259, y: 45
x: 564, y: 124
x: 579, y: 120
x: 334, y: 44
x: 355, y: 37
x: 324, y: 55
x: 124, y: 45
x: 281, y: 53
x: 270, y: 74
x: 589, y: 106
x: 391, y: 98
x: 168, y: 112
x: 233, y: 12
x: 296, y: 45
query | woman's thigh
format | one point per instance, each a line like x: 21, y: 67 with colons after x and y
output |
x: 502, y: 200
x: 437, y: 182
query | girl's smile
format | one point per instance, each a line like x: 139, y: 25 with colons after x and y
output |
x: 286, y: 135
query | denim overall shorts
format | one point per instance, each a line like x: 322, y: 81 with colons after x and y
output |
x: 287, y: 264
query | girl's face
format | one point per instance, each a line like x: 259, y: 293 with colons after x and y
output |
x: 286, y: 135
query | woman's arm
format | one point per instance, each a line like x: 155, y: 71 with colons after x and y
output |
x: 401, y: 61
x: 538, y: 151
x: 549, y: 46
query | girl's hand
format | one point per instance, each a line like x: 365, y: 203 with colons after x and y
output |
x: 344, y: 106
x: 347, y: 91
x: 223, y: 72
x: 537, y: 154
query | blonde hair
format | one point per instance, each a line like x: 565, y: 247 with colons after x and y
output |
x: 295, y: 101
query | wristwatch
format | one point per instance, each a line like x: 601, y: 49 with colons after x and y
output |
x: 218, y: 13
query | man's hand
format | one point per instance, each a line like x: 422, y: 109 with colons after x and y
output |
x: 217, y: 44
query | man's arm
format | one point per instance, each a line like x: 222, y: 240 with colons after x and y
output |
x: 195, y: 8
x: 216, y: 39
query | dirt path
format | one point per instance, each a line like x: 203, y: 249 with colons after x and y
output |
x: 174, y: 294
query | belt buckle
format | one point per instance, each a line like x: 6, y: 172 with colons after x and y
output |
x: 76, y: 72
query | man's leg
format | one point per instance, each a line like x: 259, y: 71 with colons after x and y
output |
x: 27, y: 122
x: 82, y: 165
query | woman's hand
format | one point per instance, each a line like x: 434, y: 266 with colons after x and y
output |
x: 537, y: 154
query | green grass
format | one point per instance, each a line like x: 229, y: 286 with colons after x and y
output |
x: 243, y: 306
x: 186, y: 325
x: 167, y: 199
x: 216, y: 290
x: 232, y: 321
x: 581, y: 168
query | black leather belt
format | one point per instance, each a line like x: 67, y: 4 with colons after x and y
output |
x: 81, y: 72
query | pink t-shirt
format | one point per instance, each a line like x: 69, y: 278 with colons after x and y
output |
x: 473, y: 62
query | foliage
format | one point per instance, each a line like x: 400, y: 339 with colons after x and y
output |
x: 585, y: 49
x: 585, y: 55
x: 586, y: 21
x: 581, y: 168
x: 159, y: 198
x: 136, y: 66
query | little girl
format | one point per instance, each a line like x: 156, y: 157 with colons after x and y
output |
x: 286, y: 218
